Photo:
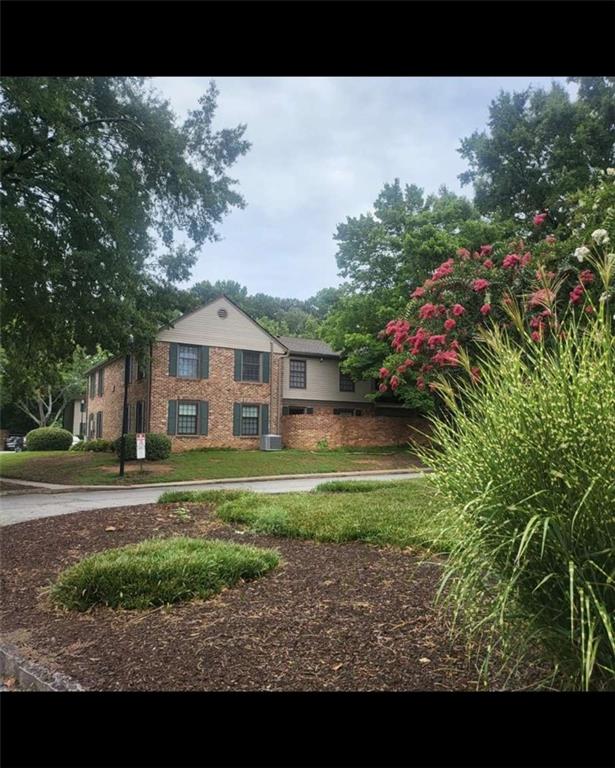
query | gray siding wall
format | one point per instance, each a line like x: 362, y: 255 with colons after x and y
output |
x: 322, y: 382
x: 235, y: 331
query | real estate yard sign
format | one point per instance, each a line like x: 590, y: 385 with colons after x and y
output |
x: 140, y: 446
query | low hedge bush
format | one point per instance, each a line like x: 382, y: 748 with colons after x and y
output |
x: 49, y: 439
x: 159, y: 572
x: 157, y: 446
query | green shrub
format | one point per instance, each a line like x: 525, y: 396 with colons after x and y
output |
x: 98, y: 446
x: 158, y: 572
x: 527, y: 463
x: 213, y: 497
x: 49, y: 439
x: 157, y: 446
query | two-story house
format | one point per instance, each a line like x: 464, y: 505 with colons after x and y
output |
x: 217, y: 378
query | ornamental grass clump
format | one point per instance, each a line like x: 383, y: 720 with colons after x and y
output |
x: 158, y: 572
x: 527, y: 462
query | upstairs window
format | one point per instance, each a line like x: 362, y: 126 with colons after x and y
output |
x: 297, y: 378
x: 251, y: 367
x: 346, y: 383
x: 187, y: 362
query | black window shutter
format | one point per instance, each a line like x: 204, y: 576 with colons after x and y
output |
x: 101, y: 374
x: 172, y: 417
x: 173, y: 361
x: 204, y: 363
x: 264, y: 420
x: 203, y: 416
x: 238, y: 362
x: 266, y: 366
x: 237, y: 419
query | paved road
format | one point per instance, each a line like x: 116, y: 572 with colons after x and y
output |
x: 29, y: 506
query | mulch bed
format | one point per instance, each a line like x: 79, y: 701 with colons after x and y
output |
x: 332, y: 617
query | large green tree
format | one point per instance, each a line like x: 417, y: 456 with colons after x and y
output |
x: 99, y: 183
x: 541, y: 146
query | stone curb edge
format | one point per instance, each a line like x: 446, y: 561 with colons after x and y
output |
x: 31, y: 676
x: 261, y: 478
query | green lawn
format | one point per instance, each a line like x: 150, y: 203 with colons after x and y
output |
x: 101, y: 468
x: 404, y: 513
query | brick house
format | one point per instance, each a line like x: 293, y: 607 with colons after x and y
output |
x: 217, y: 378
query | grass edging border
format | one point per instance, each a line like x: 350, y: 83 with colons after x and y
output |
x: 31, y: 676
x: 58, y: 488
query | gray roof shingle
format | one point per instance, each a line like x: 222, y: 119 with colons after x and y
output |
x: 308, y: 347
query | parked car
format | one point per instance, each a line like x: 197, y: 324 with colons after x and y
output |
x: 15, y: 443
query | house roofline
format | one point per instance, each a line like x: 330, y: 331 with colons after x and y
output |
x: 191, y: 312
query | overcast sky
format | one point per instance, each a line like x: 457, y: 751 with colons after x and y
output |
x: 322, y: 149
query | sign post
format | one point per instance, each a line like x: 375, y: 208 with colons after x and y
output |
x: 141, y: 448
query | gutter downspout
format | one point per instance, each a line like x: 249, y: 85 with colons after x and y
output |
x: 283, y: 356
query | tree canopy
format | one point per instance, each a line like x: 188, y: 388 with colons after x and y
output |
x: 541, y: 146
x: 106, y: 198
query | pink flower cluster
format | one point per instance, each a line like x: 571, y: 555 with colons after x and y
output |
x: 576, y: 294
x: 445, y: 314
x: 444, y: 270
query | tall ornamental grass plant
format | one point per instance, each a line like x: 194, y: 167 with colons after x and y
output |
x: 527, y: 462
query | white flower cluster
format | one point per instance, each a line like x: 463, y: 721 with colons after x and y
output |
x: 600, y: 236
x: 581, y: 253
x: 610, y: 171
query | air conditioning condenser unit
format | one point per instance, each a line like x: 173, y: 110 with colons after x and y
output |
x: 271, y: 442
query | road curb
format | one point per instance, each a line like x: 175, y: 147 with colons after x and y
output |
x: 216, y: 481
x: 31, y: 676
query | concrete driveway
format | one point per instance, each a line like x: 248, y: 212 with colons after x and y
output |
x: 29, y: 506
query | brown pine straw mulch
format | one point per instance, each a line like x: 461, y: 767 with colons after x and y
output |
x: 347, y: 617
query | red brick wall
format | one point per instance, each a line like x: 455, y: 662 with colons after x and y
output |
x: 111, y: 401
x: 305, y: 432
x: 220, y: 390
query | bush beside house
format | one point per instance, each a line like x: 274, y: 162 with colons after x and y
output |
x: 49, y: 439
x: 157, y: 446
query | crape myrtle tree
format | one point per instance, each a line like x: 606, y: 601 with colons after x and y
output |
x: 540, y: 147
x: 383, y: 255
x: 532, y: 288
x: 99, y: 180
